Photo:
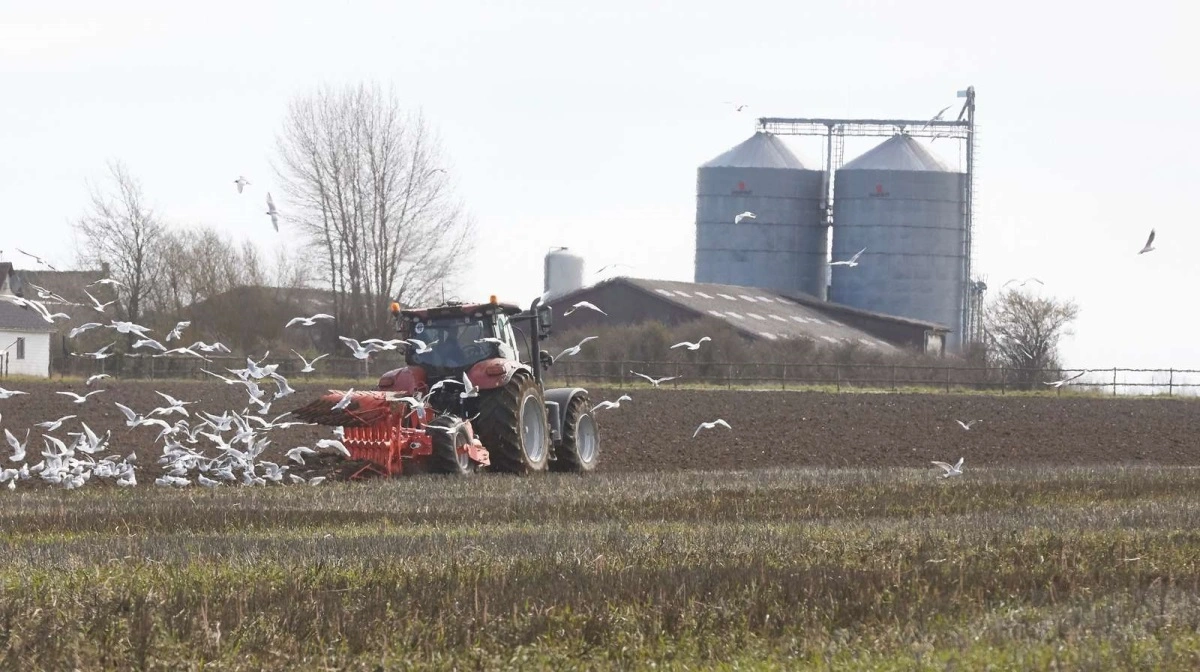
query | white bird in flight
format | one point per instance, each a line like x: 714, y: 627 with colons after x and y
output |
x: 272, y: 211
x: 5, y: 394
x: 967, y: 424
x: 82, y: 328
x: 241, y: 182
x: 691, y: 346
x: 851, y: 262
x: 1025, y: 282
x: 1064, y: 381
x: 96, y: 303
x: 308, y: 321
x: 96, y: 378
x: 1149, y: 243
x: 308, y: 365
x: 107, y: 281
x: 612, y: 404
x: 710, y: 425
x: 653, y: 381
x: 955, y: 470
x: 360, y: 351
x: 51, y: 425
x: 937, y: 117
x: 177, y: 332
x: 584, y: 304
x: 419, y: 347
x: 574, y: 349
x: 745, y: 215
x: 77, y: 398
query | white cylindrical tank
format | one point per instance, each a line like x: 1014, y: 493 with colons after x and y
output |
x: 563, y: 272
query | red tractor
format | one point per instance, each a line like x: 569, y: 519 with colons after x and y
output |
x: 465, y: 399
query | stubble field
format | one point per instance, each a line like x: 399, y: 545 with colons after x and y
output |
x: 812, y: 535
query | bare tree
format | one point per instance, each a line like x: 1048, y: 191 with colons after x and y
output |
x: 1024, y: 331
x: 121, y: 230
x: 368, y: 192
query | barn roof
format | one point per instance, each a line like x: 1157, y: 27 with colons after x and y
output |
x: 20, y: 318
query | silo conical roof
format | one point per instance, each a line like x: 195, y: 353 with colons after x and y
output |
x: 761, y: 150
x: 899, y: 152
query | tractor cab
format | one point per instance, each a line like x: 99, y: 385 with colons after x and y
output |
x: 458, y: 336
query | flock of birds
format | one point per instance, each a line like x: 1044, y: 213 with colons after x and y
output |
x: 239, y: 438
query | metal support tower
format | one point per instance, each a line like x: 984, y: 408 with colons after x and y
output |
x: 834, y: 132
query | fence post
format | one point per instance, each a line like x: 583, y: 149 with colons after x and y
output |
x: 783, y: 380
x: 948, y: 380
x: 729, y: 378
x: 1171, y: 384
x: 622, y: 374
x: 837, y: 374
x: 1003, y: 379
x: 1114, y: 381
x: 893, y: 377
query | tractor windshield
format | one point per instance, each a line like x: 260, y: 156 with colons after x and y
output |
x: 452, y: 342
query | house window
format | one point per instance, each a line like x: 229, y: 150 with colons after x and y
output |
x: 20, y: 348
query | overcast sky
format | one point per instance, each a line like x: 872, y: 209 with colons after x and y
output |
x: 584, y: 127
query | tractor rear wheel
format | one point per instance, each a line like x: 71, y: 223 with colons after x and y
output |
x: 513, y: 427
x: 447, y: 457
x: 580, y: 439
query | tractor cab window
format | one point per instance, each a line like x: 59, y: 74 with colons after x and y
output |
x: 452, y: 342
x: 505, y: 333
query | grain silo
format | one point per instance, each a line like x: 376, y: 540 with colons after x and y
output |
x: 906, y: 208
x: 563, y: 272
x: 783, y: 247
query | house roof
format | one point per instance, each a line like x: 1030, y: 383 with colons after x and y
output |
x: 759, y: 313
x: 20, y: 318
x: 70, y: 285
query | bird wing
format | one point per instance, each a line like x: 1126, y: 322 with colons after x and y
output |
x: 642, y: 375
x: 958, y: 465
x: 943, y: 465
x: 1150, y: 239
x: 292, y: 321
x: 857, y: 254
x: 270, y: 203
x: 129, y: 411
x: 722, y: 423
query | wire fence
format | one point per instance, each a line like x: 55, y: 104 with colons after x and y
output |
x: 767, y: 375
x: 895, y: 377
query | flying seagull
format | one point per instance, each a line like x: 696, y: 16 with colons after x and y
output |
x: 710, y: 425
x: 745, y: 215
x: 574, y: 349
x: 653, y: 381
x: 106, y: 281
x: 1149, y: 243
x: 177, y: 332
x: 852, y: 262
x: 241, y: 182
x: 584, y: 304
x: 308, y: 366
x: 955, y: 470
x: 1025, y: 282
x: 37, y: 259
x: 612, y: 404
x: 967, y: 424
x: 937, y: 117
x: 308, y: 321
x: 80, y: 399
x: 1064, y: 381
x: 272, y: 211
x: 691, y: 346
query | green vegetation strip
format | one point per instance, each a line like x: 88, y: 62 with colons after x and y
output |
x: 788, y: 569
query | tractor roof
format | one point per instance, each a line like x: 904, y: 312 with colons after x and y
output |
x: 459, y: 309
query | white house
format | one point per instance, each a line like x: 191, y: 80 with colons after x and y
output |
x: 24, y: 335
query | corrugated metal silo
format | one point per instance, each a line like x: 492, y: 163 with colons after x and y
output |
x: 784, y: 246
x: 906, y: 207
x: 563, y: 272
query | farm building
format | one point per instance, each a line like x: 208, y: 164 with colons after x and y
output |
x: 24, y: 335
x: 68, y: 285
x: 755, y: 313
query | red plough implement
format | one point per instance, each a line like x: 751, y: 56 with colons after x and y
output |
x: 390, y: 434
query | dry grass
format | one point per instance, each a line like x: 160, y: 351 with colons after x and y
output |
x: 775, y: 570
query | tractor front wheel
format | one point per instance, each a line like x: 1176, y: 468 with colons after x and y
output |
x: 580, y: 439
x: 512, y: 425
x: 449, y: 439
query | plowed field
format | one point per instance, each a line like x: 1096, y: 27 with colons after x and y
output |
x: 769, y: 429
